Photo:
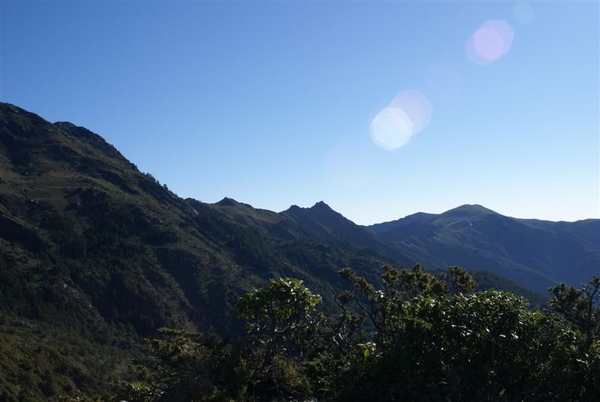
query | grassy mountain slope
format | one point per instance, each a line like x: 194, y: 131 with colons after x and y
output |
x: 535, y: 254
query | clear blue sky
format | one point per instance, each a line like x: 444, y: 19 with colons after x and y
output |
x: 380, y: 109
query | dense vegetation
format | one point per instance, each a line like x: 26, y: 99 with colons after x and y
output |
x: 419, y: 337
x: 96, y: 256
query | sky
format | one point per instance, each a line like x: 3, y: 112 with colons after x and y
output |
x: 379, y: 109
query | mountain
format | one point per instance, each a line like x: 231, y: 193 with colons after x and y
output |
x: 588, y: 229
x: 77, y: 218
x: 536, y: 254
x: 96, y: 255
x: 95, y: 252
x: 320, y: 221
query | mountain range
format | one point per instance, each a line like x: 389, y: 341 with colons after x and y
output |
x: 97, y: 252
x: 533, y: 253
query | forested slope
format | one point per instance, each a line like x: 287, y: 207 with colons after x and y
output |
x: 95, y: 252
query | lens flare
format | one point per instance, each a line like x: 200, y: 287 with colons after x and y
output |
x: 490, y: 41
x: 391, y: 128
x: 406, y: 115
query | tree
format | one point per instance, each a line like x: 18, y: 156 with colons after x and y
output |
x: 432, y: 343
x: 387, y: 309
x: 580, y: 307
x: 184, y: 366
x: 283, y: 327
x: 421, y: 336
x: 282, y: 314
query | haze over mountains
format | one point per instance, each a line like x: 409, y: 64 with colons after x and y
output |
x: 90, y: 244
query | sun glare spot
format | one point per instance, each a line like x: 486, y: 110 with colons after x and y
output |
x: 406, y: 115
x: 490, y: 41
x: 391, y: 128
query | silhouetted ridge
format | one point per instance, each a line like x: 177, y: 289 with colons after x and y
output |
x: 90, y: 137
x: 319, y: 215
x: 587, y: 229
x: 27, y: 124
x: 419, y: 218
x: 321, y: 206
x: 536, y: 254
x: 227, y: 202
x: 467, y: 211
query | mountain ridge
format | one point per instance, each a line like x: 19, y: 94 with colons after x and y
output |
x: 523, y: 250
x: 90, y: 245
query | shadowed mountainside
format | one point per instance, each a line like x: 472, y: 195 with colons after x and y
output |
x: 536, y: 254
x: 94, y: 251
x: 77, y: 218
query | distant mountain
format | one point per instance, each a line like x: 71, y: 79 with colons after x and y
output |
x: 536, y: 254
x: 95, y: 255
x: 320, y: 221
x: 588, y: 229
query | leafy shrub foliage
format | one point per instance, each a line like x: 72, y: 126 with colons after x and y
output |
x: 419, y: 336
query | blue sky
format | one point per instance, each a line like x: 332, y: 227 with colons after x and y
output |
x: 380, y: 109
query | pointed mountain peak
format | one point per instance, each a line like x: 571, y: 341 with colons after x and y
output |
x: 230, y: 202
x: 318, y: 207
x: 321, y: 206
x: 227, y: 202
x: 320, y: 212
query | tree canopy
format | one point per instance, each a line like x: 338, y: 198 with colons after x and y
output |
x: 417, y: 336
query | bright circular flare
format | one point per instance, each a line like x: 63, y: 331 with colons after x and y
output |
x: 489, y: 42
x: 406, y: 115
x: 391, y: 128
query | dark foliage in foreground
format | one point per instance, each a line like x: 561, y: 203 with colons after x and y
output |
x: 418, y: 337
